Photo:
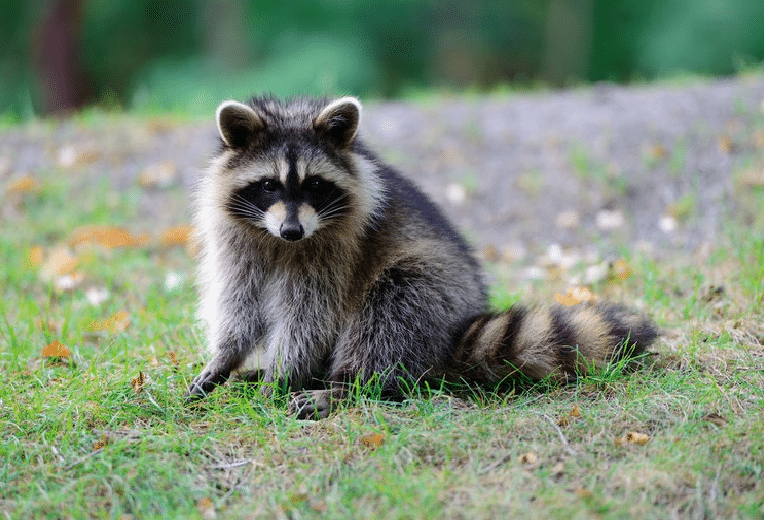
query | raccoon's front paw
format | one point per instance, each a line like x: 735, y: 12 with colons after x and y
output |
x: 204, y: 383
x: 313, y: 404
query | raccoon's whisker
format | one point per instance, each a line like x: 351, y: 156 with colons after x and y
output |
x: 335, y: 208
x: 245, y: 207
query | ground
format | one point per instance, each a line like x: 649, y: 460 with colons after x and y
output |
x: 648, y: 195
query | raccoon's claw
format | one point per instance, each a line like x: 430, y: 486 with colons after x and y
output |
x: 312, y: 404
x: 203, y: 384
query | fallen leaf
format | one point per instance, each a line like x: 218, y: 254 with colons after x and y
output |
x: 491, y: 253
x: 56, y: 349
x: 566, y: 300
x: 176, y: 236
x: 60, y: 261
x: 117, y: 322
x: 35, y: 256
x: 636, y: 438
x: 529, y: 460
x: 101, y: 444
x: 206, y: 509
x: 137, y: 382
x: 106, y: 236
x: 576, y: 295
x: 640, y: 439
x: 565, y: 420
x: 725, y: 144
x: 657, y: 151
x: 22, y: 185
x: 372, y: 440
x: 621, y: 269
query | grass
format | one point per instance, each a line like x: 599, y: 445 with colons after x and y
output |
x: 79, y: 441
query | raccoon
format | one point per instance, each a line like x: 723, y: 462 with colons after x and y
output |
x: 322, y: 266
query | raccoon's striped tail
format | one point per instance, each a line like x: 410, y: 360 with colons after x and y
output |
x: 555, y: 343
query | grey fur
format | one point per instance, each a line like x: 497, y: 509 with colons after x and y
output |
x: 320, y: 262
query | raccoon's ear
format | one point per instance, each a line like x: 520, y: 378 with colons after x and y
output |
x: 238, y: 123
x: 338, y: 122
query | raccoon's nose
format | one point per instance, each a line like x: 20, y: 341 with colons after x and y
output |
x: 291, y: 231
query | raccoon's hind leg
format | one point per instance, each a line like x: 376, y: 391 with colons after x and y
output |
x: 316, y: 404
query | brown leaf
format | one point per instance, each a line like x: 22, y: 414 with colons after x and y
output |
x: 637, y: 438
x: 117, y: 322
x: 529, y: 460
x: 491, y: 253
x: 621, y: 270
x: 101, y: 444
x: 657, y: 151
x: 106, y: 236
x: 22, y: 185
x: 206, y: 509
x: 726, y: 145
x: 137, y: 382
x: 56, y: 350
x: 372, y: 440
x: 576, y: 295
x: 35, y: 256
x: 566, y: 299
x: 60, y: 261
x: 176, y: 236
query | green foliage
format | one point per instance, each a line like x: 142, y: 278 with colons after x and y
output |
x: 176, y: 54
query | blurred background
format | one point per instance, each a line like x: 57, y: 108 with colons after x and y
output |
x: 186, y: 55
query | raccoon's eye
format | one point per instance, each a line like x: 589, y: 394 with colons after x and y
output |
x: 316, y: 185
x: 269, y: 186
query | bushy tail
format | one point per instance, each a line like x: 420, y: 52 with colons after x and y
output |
x: 555, y: 343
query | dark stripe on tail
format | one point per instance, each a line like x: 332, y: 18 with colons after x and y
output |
x: 558, y: 343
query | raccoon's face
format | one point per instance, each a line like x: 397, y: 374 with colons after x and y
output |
x: 289, y: 168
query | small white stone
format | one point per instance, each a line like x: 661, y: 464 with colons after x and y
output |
x: 609, y: 219
x: 568, y: 219
x: 667, y: 224
x: 97, y: 295
x: 67, y: 156
x: 534, y: 273
x: 172, y: 281
x: 456, y: 194
x: 596, y: 273
x: 554, y: 253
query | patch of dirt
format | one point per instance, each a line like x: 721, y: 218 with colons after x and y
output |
x: 656, y: 168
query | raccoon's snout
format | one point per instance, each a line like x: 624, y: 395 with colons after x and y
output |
x: 291, y: 231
